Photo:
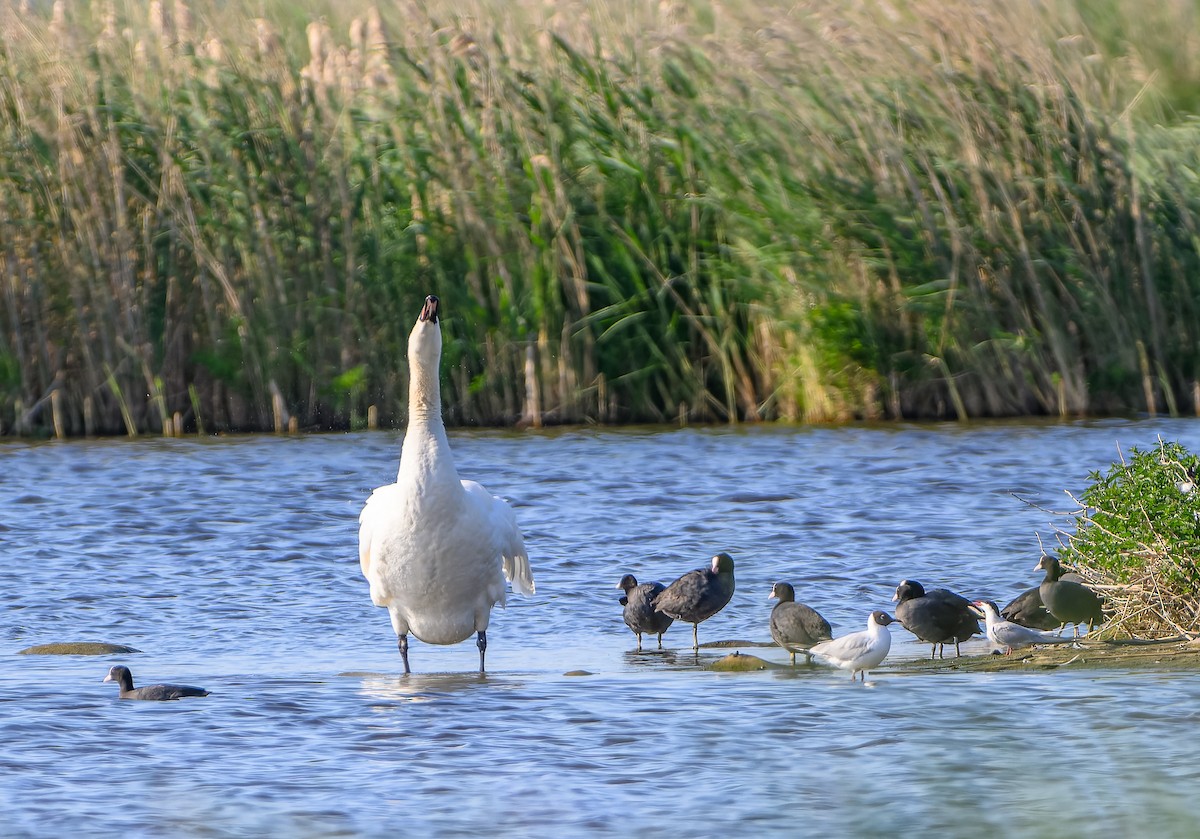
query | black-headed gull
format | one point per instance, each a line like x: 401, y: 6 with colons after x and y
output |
x: 860, y: 651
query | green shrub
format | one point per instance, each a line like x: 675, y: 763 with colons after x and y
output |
x: 1139, y: 537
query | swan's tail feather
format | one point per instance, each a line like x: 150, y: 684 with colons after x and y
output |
x: 518, y: 572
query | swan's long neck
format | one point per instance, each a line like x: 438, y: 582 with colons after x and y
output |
x: 426, y: 451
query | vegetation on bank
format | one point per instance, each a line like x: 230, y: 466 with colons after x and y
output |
x: 1137, y: 537
x: 632, y: 212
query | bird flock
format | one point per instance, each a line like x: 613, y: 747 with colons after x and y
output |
x: 437, y: 550
x: 937, y: 617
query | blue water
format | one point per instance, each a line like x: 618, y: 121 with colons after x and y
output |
x: 232, y: 564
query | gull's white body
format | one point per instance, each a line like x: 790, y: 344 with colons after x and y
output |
x: 436, y: 549
x: 857, y: 652
x: 1013, y: 636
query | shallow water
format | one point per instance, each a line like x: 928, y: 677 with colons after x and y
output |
x: 232, y: 563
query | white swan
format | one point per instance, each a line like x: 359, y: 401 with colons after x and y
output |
x: 436, y: 550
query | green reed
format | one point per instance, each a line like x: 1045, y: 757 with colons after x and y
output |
x: 682, y: 212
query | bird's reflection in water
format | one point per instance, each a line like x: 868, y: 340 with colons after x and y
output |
x: 655, y: 658
x: 425, y: 687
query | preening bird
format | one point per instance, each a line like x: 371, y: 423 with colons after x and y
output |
x: 436, y: 549
x: 639, y: 613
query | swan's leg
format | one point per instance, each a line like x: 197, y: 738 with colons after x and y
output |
x: 482, y: 644
x: 403, y: 644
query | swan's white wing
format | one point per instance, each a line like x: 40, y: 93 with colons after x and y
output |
x: 506, y: 536
x: 379, y: 502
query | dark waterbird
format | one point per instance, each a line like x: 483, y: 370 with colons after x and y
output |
x: 937, y: 617
x: 698, y: 595
x: 795, y: 626
x: 161, y: 693
x: 1028, y: 610
x: 1069, y: 601
x: 639, y: 608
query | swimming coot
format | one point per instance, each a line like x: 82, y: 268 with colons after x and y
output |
x: 120, y: 674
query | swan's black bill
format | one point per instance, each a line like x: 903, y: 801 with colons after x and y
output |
x: 430, y: 310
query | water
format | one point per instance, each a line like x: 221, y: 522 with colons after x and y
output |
x: 232, y: 563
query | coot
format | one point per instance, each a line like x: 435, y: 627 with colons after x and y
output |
x: 120, y: 674
x: 639, y: 608
x: 698, y: 595
x: 795, y: 626
x: 937, y: 617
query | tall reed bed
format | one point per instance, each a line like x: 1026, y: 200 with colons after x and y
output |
x: 681, y: 212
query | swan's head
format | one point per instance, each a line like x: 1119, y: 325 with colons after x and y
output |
x: 425, y: 340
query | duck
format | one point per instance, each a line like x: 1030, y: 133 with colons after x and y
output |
x: 937, y: 617
x: 639, y: 614
x: 698, y: 595
x: 122, y: 675
x: 1069, y: 601
x: 859, y: 651
x: 1009, y: 635
x: 436, y: 550
x: 795, y: 626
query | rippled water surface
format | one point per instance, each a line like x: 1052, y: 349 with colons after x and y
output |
x: 232, y: 564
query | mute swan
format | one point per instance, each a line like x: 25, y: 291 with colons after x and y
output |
x: 639, y: 608
x: 435, y: 549
x: 699, y: 594
x: 1012, y: 636
x: 860, y: 651
x: 120, y: 674
x: 794, y: 626
x: 937, y: 617
x: 1070, y: 602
